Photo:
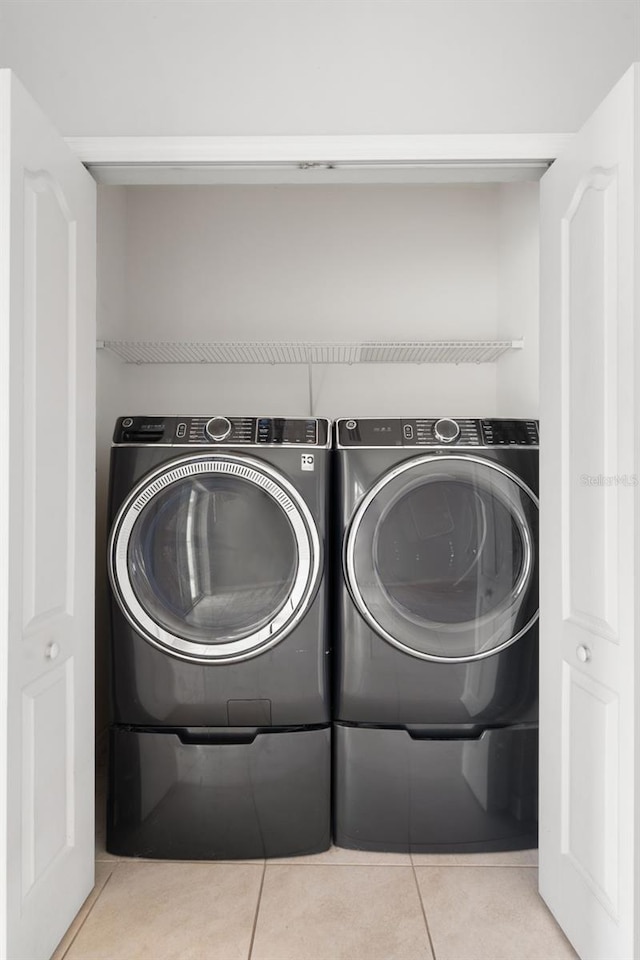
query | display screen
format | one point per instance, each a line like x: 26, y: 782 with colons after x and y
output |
x: 520, y: 432
x: 279, y: 430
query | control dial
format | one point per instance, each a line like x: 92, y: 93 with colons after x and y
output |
x: 446, y: 430
x: 218, y: 428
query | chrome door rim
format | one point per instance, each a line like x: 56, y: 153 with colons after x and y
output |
x: 308, y: 549
x: 349, y: 563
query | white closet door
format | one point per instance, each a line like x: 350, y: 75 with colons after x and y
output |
x: 590, y: 531
x: 47, y: 372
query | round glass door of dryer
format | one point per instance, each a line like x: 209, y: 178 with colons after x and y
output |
x: 214, y: 558
x: 441, y: 558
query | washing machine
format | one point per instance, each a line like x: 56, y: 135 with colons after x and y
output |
x: 220, y: 716
x: 436, y: 627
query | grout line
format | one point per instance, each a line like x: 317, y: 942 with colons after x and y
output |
x: 273, y: 861
x: 196, y: 863
x: 424, y: 912
x: 477, y: 866
x: 89, y: 912
x: 276, y: 862
x: 255, y: 919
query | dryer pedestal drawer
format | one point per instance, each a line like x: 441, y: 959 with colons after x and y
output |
x: 396, y: 791
x: 253, y: 795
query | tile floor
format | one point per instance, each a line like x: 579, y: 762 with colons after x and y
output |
x: 339, y: 905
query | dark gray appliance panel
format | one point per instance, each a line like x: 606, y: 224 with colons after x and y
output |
x: 292, y: 679
x: 195, y: 794
x: 375, y: 682
x: 396, y: 790
x: 288, y: 682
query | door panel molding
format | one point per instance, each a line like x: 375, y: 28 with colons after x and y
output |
x: 589, y: 779
x: 49, y: 822
x: 589, y: 400
x: 49, y: 404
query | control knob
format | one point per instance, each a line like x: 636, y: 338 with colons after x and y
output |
x: 446, y: 430
x: 218, y: 428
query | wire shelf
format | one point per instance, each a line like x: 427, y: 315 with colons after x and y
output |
x: 311, y: 352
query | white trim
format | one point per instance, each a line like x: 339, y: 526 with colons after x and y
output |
x: 9, y: 428
x: 384, y: 150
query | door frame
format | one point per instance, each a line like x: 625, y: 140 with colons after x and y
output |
x: 399, y: 158
x: 461, y: 158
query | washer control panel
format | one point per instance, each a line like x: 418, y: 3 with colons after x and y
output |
x: 436, y: 432
x: 214, y: 430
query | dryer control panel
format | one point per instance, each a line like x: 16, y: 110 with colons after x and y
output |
x: 218, y: 430
x: 436, y: 432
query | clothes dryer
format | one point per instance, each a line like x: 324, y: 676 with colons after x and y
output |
x: 220, y: 738
x: 436, y: 668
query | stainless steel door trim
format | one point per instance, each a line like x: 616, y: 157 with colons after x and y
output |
x: 308, y: 548
x: 352, y: 532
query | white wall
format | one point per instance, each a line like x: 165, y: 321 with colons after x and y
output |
x: 517, y: 373
x: 109, y: 387
x: 126, y: 67
x: 320, y: 263
x: 110, y: 375
x: 282, y: 390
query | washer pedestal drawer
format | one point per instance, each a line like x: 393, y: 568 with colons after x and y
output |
x: 212, y: 793
x: 398, y: 790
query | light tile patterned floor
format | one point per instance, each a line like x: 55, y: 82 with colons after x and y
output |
x: 338, y: 905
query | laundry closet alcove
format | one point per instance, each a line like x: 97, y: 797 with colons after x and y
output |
x: 362, y: 240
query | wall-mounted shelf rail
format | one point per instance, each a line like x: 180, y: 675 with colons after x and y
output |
x: 311, y: 352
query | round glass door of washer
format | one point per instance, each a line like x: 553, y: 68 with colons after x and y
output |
x: 441, y: 560
x: 214, y: 558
